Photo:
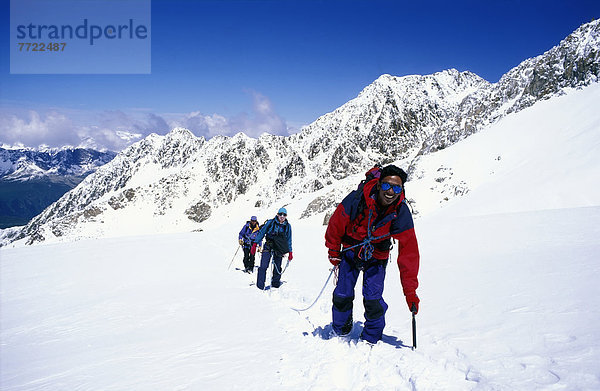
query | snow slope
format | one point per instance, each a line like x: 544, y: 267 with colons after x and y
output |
x: 544, y: 157
x: 509, y: 292
x: 163, y: 312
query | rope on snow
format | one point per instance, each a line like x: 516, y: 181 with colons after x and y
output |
x: 320, y: 293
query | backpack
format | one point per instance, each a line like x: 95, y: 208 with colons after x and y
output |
x: 373, y: 173
x: 272, y: 228
x: 278, y: 243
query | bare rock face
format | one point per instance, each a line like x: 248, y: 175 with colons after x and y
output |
x: 321, y: 204
x: 198, y: 212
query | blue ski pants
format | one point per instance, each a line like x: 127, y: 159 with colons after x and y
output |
x: 265, y: 260
x: 372, y: 290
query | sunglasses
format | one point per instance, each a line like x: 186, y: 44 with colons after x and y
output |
x: 282, y: 214
x: 386, y: 186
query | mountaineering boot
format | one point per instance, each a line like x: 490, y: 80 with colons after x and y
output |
x: 347, y: 327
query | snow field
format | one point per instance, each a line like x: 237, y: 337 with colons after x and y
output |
x: 164, y: 312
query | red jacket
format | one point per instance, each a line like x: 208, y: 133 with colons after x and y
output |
x: 395, y: 222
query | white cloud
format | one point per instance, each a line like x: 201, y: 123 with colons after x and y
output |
x: 262, y: 119
x: 112, y: 130
x: 52, y: 129
x: 117, y: 129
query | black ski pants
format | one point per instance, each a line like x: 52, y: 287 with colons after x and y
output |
x: 248, y: 259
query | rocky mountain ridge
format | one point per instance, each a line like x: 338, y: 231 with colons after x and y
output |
x: 179, y: 179
x: 32, y: 179
x: 20, y: 164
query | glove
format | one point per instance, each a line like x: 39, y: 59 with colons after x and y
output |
x: 413, y: 302
x: 290, y: 256
x: 241, y: 242
x: 334, y: 257
x: 258, y: 249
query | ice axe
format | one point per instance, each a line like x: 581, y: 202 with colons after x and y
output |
x: 414, y: 326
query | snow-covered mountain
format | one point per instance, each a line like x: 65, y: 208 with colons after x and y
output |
x: 174, y: 182
x: 394, y: 116
x: 22, y: 164
x: 32, y: 179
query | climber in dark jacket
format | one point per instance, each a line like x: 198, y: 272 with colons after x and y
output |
x: 278, y: 241
x: 247, y: 235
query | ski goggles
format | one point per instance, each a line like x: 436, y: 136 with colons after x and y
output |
x: 386, y: 186
x: 282, y: 214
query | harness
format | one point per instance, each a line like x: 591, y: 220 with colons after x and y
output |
x: 367, y: 247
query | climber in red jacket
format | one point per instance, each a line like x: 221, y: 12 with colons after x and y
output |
x: 359, y: 237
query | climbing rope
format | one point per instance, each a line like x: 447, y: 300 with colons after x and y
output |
x: 366, y: 247
x: 320, y: 293
x: 276, y: 268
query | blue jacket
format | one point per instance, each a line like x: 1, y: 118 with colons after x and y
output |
x: 273, y: 227
x: 248, y: 234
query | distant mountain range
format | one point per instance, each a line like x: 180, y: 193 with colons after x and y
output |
x: 177, y: 180
x: 31, y: 180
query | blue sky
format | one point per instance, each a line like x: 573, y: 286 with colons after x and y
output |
x: 219, y: 67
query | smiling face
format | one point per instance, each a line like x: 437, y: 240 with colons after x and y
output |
x: 387, y: 197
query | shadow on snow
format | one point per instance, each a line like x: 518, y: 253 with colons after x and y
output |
x: 326, y: 333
